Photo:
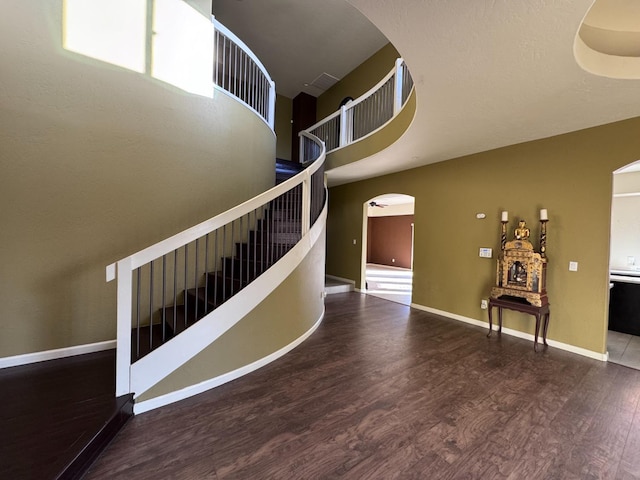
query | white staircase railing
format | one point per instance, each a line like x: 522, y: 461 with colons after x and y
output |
x: 191, y: 278
x: 368, y: 113
x: 161, y: 287
x: 238, y: 71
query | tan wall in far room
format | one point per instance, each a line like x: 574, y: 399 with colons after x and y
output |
x: 389, y: 240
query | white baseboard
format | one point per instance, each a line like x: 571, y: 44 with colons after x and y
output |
x: 517, y: 333
x: 341, y: 279
x: 349, y: 287
x: 34, y: 357
x: 192, y: 390
x: 338, y: 289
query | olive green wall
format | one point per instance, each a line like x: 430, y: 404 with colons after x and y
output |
x: 284, y: 108
x: 97, y: 162
x: 359, y: 81
x: 284, y: 316
x: 570, y: 175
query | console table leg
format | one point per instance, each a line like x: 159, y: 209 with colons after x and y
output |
x: 500, y: 320
x: 544, y: 330
x: 490, y: 323
x: 535, y: 342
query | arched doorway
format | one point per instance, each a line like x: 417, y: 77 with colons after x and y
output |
x: 623, y: 336
x: 387, y: 247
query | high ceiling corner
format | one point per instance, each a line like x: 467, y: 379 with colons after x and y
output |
x: 300, y: 41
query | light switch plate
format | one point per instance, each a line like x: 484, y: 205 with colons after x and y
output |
x: 573, y: 266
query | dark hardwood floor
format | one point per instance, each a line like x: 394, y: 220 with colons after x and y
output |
x: 381, y: 391
x: 51, y: 411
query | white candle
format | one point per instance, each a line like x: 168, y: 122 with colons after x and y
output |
x: 505, y: 216
x: 543, y: 214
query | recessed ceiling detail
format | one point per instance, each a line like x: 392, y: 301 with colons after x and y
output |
x: 608, y: 40
x: 323, y: 82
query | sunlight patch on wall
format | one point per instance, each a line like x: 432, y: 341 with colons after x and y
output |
x: 178, y: 42
x: 182, y: 47
x: 113, y: 32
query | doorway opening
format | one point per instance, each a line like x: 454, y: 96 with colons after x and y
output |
x: 387, y: 247
x: 623, y: 335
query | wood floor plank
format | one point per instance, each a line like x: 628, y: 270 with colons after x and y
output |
x: 51, y: 410
x: 629, y: 467
x: 381, y: 391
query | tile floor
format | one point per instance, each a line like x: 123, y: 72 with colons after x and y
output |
x: 390, y: 283
x: 624, y: 349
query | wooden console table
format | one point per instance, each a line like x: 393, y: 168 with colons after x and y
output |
x: 521, y: 305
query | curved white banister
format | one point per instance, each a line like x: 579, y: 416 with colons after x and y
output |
x: 229, y: 34
x: 191, y: 234
x: 368, y: 113
x: 372, y: 90
x: 323, y: 121
x: 245, y: 78
x: 313, y: 201
x: 167, y: 358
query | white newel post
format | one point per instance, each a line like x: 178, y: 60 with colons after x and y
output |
x: 306, y: 203
x: 344, y: 127
x: 123, y: 346
x: 272, y: 104
x: 397, y: 87
x: 301, y: 157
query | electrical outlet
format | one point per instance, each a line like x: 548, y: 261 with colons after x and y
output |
x: 573, y: 266
x: 484, y: 304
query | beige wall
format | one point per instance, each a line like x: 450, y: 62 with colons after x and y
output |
x: 97, y: 162
x: 284, y: 108
x: 570, y: 175
x: 287, y: 314
x: 361, y: 79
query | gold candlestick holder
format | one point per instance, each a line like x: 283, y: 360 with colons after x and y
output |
x: 543, y: 238
x: 503, y: 238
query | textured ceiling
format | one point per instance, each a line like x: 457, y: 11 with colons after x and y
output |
x: 488, y: 73
x: 298, y: 40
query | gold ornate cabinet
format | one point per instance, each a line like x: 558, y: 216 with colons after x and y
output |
x: 521, y: 277
x: 522, y: 273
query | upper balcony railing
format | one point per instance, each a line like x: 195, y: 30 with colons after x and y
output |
x: 238, y: 71
x: 368, y: 113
